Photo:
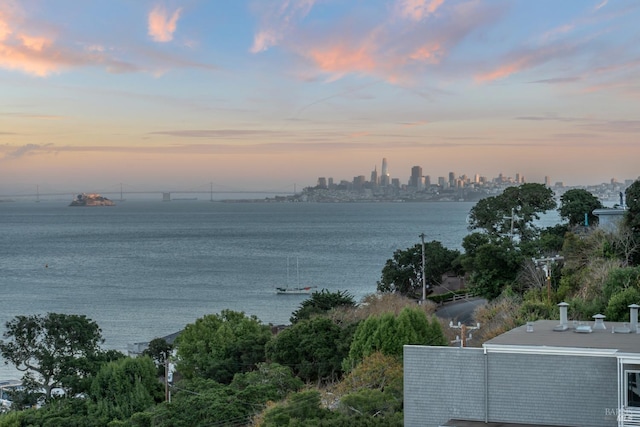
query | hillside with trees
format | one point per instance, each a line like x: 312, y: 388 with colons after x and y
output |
x: 339, y: 362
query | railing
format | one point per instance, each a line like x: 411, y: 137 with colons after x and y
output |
x: 451, y: 297
x: 629, y: 417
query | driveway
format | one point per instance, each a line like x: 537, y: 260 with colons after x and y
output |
x: 460, y: 311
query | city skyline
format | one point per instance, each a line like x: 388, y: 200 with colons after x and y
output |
x: 413, y: 177
x: 268, y: 94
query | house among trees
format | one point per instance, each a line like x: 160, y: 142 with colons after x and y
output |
x: 610, y: 218
x: 544, y: 373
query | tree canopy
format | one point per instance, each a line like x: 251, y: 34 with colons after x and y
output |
x: 320, y: 303
x: 576, y: 204
x: 217, y: 346
x: 388, y: 334
x: 632, y: 200
x: 402, y: 274
x: 124, y: 387
x: 50, y: 348
x: 493, y: 263
x: 514, y: 210
x: 313, y: 348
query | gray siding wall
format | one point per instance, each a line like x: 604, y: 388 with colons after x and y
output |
x: 441, y: 383
x: 553, y: 389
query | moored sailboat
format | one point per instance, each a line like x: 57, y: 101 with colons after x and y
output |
x: 297, y: 290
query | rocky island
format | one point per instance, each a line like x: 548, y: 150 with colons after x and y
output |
x: 91, y: 200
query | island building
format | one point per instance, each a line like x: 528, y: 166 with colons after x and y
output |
x: 545, y: 373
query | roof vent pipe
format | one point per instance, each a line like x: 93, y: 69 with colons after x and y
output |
x: 564, y: 322
x: 633, y: 317
x: 599, y: 323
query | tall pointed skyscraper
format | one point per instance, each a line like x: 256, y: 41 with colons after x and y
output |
x: 384, y: 178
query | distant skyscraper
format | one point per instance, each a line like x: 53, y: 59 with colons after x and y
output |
x: 374, y: 176
x: 547, y: 181
x: 452, y: 179
x: 416, y: 177
x: 384, y: 178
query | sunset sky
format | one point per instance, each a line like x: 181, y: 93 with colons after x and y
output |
x: 265, y: 94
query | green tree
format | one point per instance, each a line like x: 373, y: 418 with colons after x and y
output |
x: 515, y: 209
x: 270, y: 381
x: 618, y: 307
x: 632, y: 200
x: 303, y: 406
x: 632, y: 220
x: 313, y: 348
x: 492, y: 262
x: 619, y: 279
x: 402, y: 274
x: 159, y: 351
x: 217, y: 346
x: 49, y: 348
x: 124, y: 387
x: 576, y: 204
x: 202, y: 402
x: 388, y: 334
x: 320, y: 303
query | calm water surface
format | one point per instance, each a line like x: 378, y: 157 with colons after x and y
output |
x: 144, y: 269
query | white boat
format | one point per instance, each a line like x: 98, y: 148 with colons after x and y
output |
x: 297, y: 290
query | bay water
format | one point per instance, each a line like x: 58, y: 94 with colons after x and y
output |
x: 144, y: 269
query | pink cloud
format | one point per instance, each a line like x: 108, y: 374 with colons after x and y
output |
x: 431, y: 53
x: 417, y: 10
x: 341, y: 58
x: 399, y: 47
x: 161, y: 25
x: 30, y: 54
x: 527, y: 58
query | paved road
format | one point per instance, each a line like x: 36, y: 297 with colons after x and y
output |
x: 460, y: 311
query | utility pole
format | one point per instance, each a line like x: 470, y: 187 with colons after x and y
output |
x: 545, y: 265
x: 511, y: 218
x: 424, y: 279
x: 167, y: 395
x: 462, y: 338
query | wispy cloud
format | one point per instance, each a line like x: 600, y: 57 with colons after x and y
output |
x: 601, y: 5
x: 401, y: 46
x: 527, y: 58
x: 417, y: 10
x: 216, y: 133
x: 25, y: 150
x: 418, y: 123
x: 558, y: 80
x: 44, y: 49
x: 163, y: 24
x: 277, y: 20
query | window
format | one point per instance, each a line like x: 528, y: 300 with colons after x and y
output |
x: 632, y: 389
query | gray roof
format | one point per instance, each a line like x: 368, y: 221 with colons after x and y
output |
x: 543, y: 335
x: 464, y: 423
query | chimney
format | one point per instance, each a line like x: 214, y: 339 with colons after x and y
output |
x: 633, y: 317
x: 599, y: 323
x: 564, y: 322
